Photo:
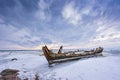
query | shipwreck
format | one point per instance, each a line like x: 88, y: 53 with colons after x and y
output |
x: 71, y: 55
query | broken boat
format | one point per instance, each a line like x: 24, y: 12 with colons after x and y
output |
x: 71, y: 55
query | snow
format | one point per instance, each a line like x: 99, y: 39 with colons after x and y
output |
x: 97, y: 68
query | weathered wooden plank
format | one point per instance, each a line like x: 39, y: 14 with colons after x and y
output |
x: 62, y: 57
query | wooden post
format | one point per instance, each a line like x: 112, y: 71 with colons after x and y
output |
x: 60, y: 50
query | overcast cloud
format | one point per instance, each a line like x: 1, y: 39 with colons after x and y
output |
x: 30, y: 24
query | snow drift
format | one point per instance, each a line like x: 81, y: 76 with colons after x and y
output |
x: 100, y: 68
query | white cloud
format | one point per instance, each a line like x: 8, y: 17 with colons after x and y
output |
x: 1, y: 20
x: 108, y: 34
x: 54, y: 45
x: 86, y: 10
x: 71, y: 14
x: 41, y: 14
x: 10, y: 46
x: 107, y: 30
x: 14, y: 37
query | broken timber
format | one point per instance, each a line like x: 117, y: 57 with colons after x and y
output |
x: 67, y: 56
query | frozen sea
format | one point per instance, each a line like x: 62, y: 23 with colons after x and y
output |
x: 30, y: 63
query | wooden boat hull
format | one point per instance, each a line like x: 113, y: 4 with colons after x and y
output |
x: 63, y: 57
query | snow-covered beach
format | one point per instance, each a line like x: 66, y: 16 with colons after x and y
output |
x: 28, y: 64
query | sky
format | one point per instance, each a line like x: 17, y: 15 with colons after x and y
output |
x: 31, y: 24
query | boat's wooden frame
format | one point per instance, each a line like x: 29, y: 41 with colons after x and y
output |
x: 67, y: 56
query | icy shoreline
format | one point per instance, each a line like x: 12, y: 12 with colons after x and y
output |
x: 100, y: 68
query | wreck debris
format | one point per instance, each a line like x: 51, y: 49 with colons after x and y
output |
x: 71, y: 55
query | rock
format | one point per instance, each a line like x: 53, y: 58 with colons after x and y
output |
x: 13, y: 59
x: 9, y: 74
